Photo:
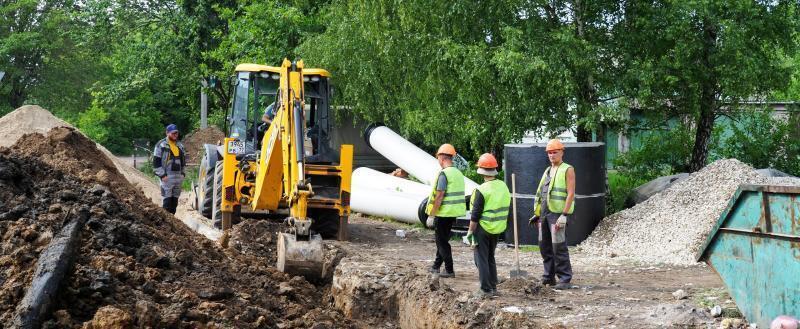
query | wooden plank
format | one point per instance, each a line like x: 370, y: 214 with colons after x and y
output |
x: 51, y: 268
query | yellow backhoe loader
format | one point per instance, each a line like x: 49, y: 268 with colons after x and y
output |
x: 283, y: 166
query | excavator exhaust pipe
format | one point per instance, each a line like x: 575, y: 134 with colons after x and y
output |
x: 298, y: 257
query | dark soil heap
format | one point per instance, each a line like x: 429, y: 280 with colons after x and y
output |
x: 137, y: 265
x: 194, y: 142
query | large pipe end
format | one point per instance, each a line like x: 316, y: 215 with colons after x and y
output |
x: 369, y: 129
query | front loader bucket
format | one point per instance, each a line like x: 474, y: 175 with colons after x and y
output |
x: 297, y: 257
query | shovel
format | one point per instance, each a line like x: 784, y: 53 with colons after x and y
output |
x: 515, y: 273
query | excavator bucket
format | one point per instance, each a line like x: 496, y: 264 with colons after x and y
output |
x: 298, y: 257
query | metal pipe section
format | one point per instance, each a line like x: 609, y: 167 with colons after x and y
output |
x: 408, y: 156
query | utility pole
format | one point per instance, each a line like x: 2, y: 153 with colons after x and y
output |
x: 203, y: 104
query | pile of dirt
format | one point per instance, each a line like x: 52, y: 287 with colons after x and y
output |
x: 34, y: 119
x: 25, y: 120
x: 671, y: 226
x: 136, y: 264
x: 257, y: 238
x: 193, y: 142
x: 528, y: 287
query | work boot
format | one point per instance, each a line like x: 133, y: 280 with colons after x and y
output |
x: 433, y: 270
x: 548, y: 282
x: 482, y: 294
x: 563, y: 286
x: 495, y: 293
x: 447, y: 275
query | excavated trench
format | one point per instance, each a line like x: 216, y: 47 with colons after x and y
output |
x: 375, y: 292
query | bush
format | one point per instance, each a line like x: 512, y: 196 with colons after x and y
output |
x: 762, y: 141
x: 619, y: 188
x: 661, y: 154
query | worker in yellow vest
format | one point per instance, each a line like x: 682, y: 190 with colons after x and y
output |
x: 489, y: 206
x: 445, y: 203
x: 555, y: 202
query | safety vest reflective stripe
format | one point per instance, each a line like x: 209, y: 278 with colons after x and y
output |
x: 496, y: 210
x: 453, y: 203
x: 496, y: 199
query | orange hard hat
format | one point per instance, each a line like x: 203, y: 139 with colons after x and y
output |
x: 446, y: 149
x: 554, y: 144
x: 487, y: 160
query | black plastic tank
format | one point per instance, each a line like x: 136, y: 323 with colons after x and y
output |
x: 529, y: 161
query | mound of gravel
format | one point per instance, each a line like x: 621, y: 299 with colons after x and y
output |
x: 671, y: 226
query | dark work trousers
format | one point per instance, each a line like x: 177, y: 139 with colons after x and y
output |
x: 170, y: 204
x: 553, y: 248
x: 484, y: 259
x: 444, y: 226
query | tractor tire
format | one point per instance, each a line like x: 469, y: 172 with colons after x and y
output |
x: 216, y: 212
x: 325, y: 222
x: 205, y: 188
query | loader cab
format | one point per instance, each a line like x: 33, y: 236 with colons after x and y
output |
x: 256, y: 87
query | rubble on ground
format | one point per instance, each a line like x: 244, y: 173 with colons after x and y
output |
x: 671, y: 226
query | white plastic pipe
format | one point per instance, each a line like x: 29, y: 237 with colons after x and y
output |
x: 408, y: 156
x: 373, y: 179
x: 400, y: 206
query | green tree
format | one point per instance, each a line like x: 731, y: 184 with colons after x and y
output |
x: 32, y: 38
x: 696, y: 57
x: 461, y: 72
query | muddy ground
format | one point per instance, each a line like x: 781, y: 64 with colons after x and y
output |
x: 607, y: 293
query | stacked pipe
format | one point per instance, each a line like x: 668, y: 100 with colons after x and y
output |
x: 379, y: 194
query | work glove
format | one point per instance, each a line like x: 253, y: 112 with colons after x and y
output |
x: 533, y: 221
x: 471, y: 239
x: 429, y: 222
x: 561, y: 223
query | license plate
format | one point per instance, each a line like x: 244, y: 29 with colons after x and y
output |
x: 236, y: 147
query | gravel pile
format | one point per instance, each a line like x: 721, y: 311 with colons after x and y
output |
x: 671, y: 226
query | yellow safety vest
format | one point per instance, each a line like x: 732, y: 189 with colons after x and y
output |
x: 453, y: 204
x: 556, y: 193
x: 496, y: 199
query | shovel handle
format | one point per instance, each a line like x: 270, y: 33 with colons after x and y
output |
x: 514, y: 209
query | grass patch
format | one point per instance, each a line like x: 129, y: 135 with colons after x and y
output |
x: 191, y: 174
x: 710, y: 297
x: 529, y: 248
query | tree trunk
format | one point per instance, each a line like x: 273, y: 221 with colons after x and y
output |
x: 586, y: 98
x: 17, y: 96
x: 705, y: 124
x: 708, y: 100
